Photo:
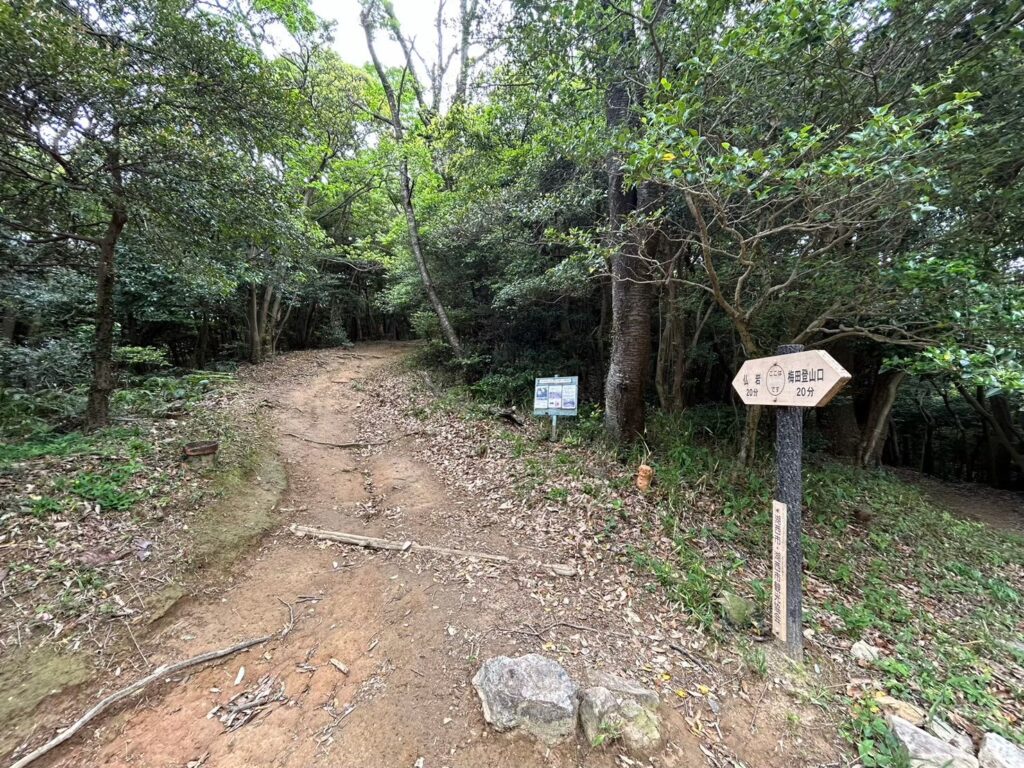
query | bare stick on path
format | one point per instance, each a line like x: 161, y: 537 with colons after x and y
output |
x: 349, y: 445
x: 124, y: 693
x: 331, y: 445
x: 370, y: 542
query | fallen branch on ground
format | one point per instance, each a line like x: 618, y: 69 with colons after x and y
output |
x: 124, y: 693
x: 333, y: 445
x: 539, y: 633
x: 370, y: 542
x: 350, y: 445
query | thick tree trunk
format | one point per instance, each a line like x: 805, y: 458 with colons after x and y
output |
x: 883, y: 396
x: 631, y: 294
x: 97, y: 410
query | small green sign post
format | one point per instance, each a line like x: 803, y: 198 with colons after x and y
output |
x: 556, y: 396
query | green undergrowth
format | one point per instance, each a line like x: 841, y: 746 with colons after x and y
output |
x: 942, y: 596
x: 39, y: 419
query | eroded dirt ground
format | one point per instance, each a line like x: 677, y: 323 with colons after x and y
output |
x: 412, y: 628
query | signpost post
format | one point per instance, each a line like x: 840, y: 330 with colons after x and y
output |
x: 556, y: 396
x: 791, y: 380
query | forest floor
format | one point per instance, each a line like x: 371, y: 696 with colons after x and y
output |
x: 376, y: 664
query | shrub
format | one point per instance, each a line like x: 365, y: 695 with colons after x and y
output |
x: 53, y: 364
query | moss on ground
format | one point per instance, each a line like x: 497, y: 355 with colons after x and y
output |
x: 28, y: 678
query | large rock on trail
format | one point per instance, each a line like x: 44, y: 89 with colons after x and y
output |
x: 926, y: 751
x: 997, y: 752
x: 529, y: 692
x: 614, y: 708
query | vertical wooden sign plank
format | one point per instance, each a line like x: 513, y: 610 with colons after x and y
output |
x: 779, y: 527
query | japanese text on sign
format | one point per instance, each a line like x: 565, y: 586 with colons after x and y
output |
x: 779, y: 530
x: 802, y: 379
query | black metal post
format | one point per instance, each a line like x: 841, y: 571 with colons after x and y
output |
x: 789, y: 444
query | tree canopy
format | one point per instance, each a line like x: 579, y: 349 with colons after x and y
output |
x: 643, y: 193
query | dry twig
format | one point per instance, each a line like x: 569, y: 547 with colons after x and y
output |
x: 370, y: 542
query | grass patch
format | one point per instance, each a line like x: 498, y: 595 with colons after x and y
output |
x: 106, y: 443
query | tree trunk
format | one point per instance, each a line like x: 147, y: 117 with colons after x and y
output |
x: 671, y: 363
x: 97, y: 409
x: 421, y: 264
x: 253, y: 313
x: 270, y: 332
x: 748, y: 443
x: 631, y: 294
x: 883, y: 396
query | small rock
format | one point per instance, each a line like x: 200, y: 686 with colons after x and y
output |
x: 947, y: 733
x: 926, y: 751
x: 902, y: 709
x: 997, y: 752
x: 625, y: 687
x: 865, y: 652
x: 736, y: 610
x: 529, y: 692
x: 617, y: 708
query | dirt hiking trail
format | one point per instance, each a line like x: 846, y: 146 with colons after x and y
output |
x: 408, y: 629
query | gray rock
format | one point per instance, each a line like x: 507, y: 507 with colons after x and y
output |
x: 616, y: 708
x: 862, y: 651
x: 625, y: 687
x: 943, y: 731
x: 529, y: 692
x: 997, y: 752
x: 926, y: 751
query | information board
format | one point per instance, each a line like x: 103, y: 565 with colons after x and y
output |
x: 556, y: 396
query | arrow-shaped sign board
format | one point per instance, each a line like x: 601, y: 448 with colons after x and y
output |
x: 807, y: 379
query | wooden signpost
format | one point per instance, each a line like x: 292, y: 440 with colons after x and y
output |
x: 791, y: 380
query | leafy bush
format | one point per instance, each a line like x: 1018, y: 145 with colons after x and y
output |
x: 53, y: 364
x: 141, y: 359
x: 329, y: 336
x: 26, y: 413
x: 158, y: 395
x: 509, y: 387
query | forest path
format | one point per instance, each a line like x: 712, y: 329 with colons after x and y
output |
x: 1003, y: 510
x: 407, y: 627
